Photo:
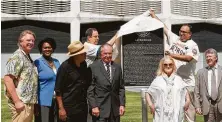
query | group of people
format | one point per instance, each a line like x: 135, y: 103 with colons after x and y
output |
x: 65, y: 93
x: 90, y: 82
x: 176, y: 90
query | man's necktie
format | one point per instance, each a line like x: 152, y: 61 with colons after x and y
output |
x: 108, y: 71
x: 213, y: 85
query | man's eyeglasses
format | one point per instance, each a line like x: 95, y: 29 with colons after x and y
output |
x: 168, y: 65
x: 183, y: 31
x: 95, y: 36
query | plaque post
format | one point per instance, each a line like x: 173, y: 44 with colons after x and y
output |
x: 144, y: 105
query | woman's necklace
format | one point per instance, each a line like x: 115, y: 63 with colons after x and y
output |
x: 50, y: 62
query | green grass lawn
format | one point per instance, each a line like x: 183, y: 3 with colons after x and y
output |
x: 132, y: 114
x: 5, y: 112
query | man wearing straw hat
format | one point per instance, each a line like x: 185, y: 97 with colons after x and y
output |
x: 72, y: 81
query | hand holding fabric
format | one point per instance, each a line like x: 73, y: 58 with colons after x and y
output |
x: 152, y: 14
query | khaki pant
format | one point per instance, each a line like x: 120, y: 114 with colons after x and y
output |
x: 24, y: 116
x: 190, y: 114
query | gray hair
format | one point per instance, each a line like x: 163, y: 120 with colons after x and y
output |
x: 211, y: 51
x: 106, y: 45
x: 23, y: 33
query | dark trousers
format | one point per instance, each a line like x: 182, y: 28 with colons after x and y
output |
x: 47, y: 113
x: 81, y: 117
x: 111, y: 118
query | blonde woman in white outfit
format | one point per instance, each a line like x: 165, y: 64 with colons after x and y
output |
x: 185, y: 53
x: 167, y: 95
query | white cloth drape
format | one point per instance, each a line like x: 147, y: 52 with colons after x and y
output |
x: 140, y: 23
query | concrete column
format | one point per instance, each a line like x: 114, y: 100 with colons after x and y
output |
x: 166, y: 12
x: 166, y: 9
x: 75, y: 23
x: 75, y: 29
x: 75, y: 7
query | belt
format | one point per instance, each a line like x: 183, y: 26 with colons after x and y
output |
x: 212, y: 101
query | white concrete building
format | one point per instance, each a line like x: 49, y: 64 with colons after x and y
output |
x: 75, y: 14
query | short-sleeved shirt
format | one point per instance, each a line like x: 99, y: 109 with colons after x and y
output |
x: 92, y: 52
x: 185, y: 70
x: 72, y: 82
x: 26, y: 76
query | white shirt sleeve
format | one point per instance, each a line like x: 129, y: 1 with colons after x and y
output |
x: 172, y: 37
x: 91, y: 49
x: 194, y: 52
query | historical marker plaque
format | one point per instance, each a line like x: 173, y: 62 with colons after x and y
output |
x: 141, y: 55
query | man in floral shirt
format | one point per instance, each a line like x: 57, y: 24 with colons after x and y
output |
x: 21, y: 80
